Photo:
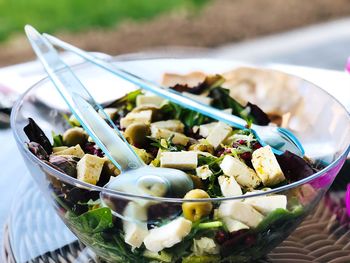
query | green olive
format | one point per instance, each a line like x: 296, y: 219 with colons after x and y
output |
x: 196, y: 210
x: 136, y: 134
x: 74, y: 136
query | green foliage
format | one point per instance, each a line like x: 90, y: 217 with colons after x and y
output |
x: 167, y: 144
x: 188, y: 117
x: 96, y: 227
x: 57, y: 139
x: 213, y: 188
x: 75, y: 15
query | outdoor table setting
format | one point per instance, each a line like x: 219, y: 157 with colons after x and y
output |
x: 37, y: 231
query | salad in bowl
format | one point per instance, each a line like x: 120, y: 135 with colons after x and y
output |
x: 245, y: 199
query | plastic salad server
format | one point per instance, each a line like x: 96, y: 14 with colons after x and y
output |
x: 135, y: 177
x: 347, y: 197
x: 280, y: 139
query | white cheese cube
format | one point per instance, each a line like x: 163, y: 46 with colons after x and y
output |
x: 149, y: 100
x: 178, y: 138
x: 135, y: 232
x: 228, y: 111
x: 203, y: 172
x: 267, y: 204
x: 167, y: 235
x: 267, y: 166
x: 89, y: 168
x: 59, y: 148
x: 205, y: 129
x: 134, y: 117
x: 179, y: 160
x: 205, y: 245
x: 218, y: 134
x: 229, y: 186
x: 109, y: 111
x: 199, y: 98
x: 240, y: 211
x: 74, y: 150
x: 171, y: 125
x: 243, y: 174
x: 233, y: 225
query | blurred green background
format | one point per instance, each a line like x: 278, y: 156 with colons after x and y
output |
x: 77, y: 15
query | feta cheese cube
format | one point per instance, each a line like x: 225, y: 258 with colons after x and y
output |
x: 267, y: 166
x: 205, y: 129
x: 203, y: 172
x: 135, y: 229
x: 267, y: 204
x: 149, y: 100
x: 240, y: 211
x: 205, y: 245
x: 229, y: 186
x: 233, y: 225
x: 167, y: 235
x: 171, y: 125
x: 74, y: 150
x: 178, y: 138
x: 111, y: 113
x: 59, y: 148
x: 228, y: 111
x: 199, y: 98
x: 133, y: 117
x: 89, y: 168
x: 243, y: 174
x: 218, y: 134
x: 179, y: 160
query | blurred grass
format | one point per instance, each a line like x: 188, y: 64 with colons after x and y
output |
x: 76, y: 15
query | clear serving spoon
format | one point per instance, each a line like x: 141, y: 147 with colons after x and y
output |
x: 136, y: 177
x: 347, y: 195
x: 280, y: 139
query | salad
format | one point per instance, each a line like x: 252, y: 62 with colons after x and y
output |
x: 221, y: 161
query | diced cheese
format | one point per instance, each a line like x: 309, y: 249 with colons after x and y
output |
x: 133, y: 117
x: 267, y: 204
x: 179, y: 160
x: 267, y: 167
x: 205, y: 245
x: 229, y: 111
x: 205, y: 129
x: 233, y: 225
x: 89, y: 168
x: 167, y: 235
x: 178, y: 138
x: 229, y: 186
x: 243, y: 174
x: 59, y: 148
x: 199, y: 98
x: 149, y: 100
x: 109, y: 111
x: 74, y: 150
x: 240, y: 211
x: 218, y: 134
x: 203, y: 172
x: 171, y: 125
x: 135, y: 232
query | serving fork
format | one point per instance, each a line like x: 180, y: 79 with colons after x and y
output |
x: 280, y: 139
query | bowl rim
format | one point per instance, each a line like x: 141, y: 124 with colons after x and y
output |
x: 123, y: 195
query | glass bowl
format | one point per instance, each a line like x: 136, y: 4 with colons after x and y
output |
x: 320, y: 122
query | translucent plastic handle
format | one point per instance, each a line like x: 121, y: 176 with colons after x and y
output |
x: 69, y: 86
